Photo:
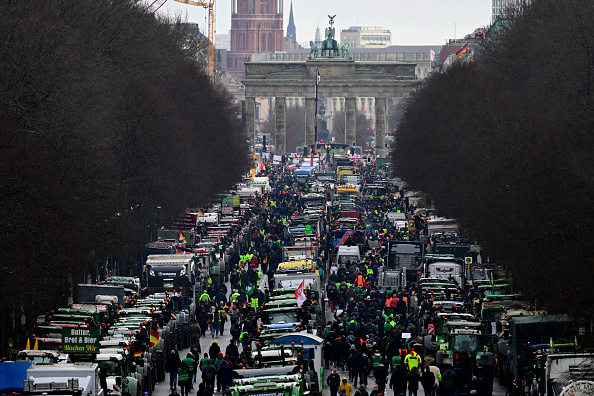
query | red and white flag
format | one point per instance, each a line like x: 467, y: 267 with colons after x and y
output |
x: 299, y: 295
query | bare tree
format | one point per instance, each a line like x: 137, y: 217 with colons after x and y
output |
x: 504, y: 145
x: 105, y: 114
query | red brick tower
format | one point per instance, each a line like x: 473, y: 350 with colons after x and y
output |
x: 256, y: 27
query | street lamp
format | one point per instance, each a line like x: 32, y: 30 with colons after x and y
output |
x: 313, y: 153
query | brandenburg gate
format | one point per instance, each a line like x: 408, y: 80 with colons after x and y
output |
x: 339, y: 77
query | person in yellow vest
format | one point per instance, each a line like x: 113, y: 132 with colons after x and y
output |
x: 234, y: 296
x: 413, y: 359
x: 254, y: 303
x: 259, y: 272
x: 205, y: 298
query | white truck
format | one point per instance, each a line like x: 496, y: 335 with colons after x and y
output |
x: 569, y: 374
x: 445, y: 269
x: 63, y: 379
x: 347, y: 253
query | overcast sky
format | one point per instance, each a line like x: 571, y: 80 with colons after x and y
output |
x: 412, y: 22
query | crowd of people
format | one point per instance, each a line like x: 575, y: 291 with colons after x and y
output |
x: 373, y: 332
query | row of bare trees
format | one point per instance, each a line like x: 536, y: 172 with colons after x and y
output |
x: 105, y: 116
x: 505, y: 144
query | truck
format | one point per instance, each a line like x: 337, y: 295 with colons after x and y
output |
x: 404, y: 260
x: 307, y: 251
x: 445, y: 267
x: 528, y: 336
x: 129, y: 282
x: 101, y: 294
x: 568, y: 374
x: 312, y: 281
x: 345, y: 254
x: 313, y: 200
x: 63, y: 379
x: 375, y: 192
x: 173, y: 236
x: 121, y: 376
x: 168, y: 272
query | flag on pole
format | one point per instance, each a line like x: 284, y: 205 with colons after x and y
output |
x: 432, y: 55
x: 154, y: 340
x: 462, y: 51
x: 299, y: 295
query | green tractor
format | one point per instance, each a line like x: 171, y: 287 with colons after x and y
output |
x: 468, y: 351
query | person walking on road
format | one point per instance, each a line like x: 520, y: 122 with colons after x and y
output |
x: 428, y: 381
x: 214, y: 350
x: 358, y: 363
x: 413, y: 379
x: 215, y: 322
x: 171, y: 366
x: 345, y: 387
x: 413, y: 360
x: 450, y: 382
x: 224, y: 376
x: 380, y: 373
x: 185, y: 374
x: 333, y: 382
x: 209, y: 375
x: 223, y: 318
x: 202, y: 319
x: 398, y: 380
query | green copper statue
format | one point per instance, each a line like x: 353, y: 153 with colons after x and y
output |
x: 313, y: 49
x: 330, y: 45
x: 345, y: 49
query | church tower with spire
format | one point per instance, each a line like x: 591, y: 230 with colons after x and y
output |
x: 291, y: 30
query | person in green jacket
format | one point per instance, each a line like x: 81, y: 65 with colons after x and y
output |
x: 185, y: 374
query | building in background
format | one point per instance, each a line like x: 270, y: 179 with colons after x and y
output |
x: 318, y: 37
x: 256, y: 27
x: 223, y: 41
x: 366, y: 37
x: 500, y: 5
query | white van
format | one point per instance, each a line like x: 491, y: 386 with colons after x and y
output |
x: 347, y: 253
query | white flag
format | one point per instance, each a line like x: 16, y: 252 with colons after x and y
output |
x: 299, y: 295
x: 432, y: 55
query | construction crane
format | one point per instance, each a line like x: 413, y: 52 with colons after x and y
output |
x: 210, y: 6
